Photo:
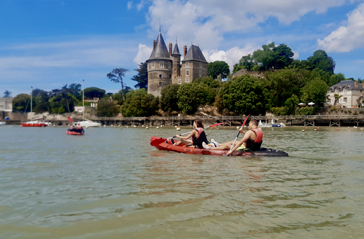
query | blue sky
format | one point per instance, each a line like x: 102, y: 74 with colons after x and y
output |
x: 49, y: 43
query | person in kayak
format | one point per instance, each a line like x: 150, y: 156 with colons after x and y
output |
x: 198, y: 136
x: 252, y: 139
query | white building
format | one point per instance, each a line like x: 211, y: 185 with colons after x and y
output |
x: 6, y: 104
x: 351, y: 92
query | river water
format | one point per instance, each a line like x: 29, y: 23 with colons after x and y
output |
x: 110, y: 183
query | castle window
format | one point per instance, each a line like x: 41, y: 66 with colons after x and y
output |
x: 160, y: 75
x: 179, y: 81
x: 187, y: 80
x: 161, y: 64
x: 170, y: 76
x: 153, y: 65
x: 187, y: 64
x: 187, y: 72
x: 160, y: 83
x: 345, y: 100
x: 200, y: 73
x: 175, y: 70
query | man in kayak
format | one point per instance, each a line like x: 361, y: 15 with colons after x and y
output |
x: 198, y: 136
x: 252, y: 139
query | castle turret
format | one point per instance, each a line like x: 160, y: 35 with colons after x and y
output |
x: 159, y: 67
x: 176, y: 70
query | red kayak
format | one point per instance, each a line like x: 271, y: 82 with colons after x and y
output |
x: 162, y: 144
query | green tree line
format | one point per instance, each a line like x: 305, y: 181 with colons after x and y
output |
x: 285, y: 83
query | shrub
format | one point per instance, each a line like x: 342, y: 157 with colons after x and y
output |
x: 61, y: 110
x: 279, y: 110
x: 307, y: 110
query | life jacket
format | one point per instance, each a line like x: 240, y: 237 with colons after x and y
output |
x: 255, y: 144
x: 197, y: 141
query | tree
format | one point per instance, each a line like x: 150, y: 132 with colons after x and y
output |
x: 320, y: 60
x: 107, y: 108
x: 139, y: 103
x: 337, y: 97
x: 291, y: 104
x: 282, y: 85
x: 94, y: 92
x: 169, y: 99
x: 41, y: 101
x: 142, y: 77
x: 336, y: 78
x: 75, y: 89
x: 265, y: 58
x: 283, y: 56
x: 190, y: 96
x: 117, y: 76
x: 61, y: 110
x: 316, y: 90
x: 207, y: 81
x: 244, y: 95
x: 21, y: 103
x: 218, y: 67
x: 7, y: 93
x: 247, y: 62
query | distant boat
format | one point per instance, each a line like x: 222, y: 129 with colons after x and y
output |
x: 88, y: 123
x: 35, y: 123
x: 2, y: 123
x: 261, y: 125
x: 77, y: 130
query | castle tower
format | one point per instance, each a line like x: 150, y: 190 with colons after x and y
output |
x: 194, y: 65
x: 176, y: 69
x: 159, y: 67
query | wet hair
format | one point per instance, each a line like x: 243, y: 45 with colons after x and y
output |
x: 254, y: 122
x: 199, y: 123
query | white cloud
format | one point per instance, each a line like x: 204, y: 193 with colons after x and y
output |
x: 205, y: 22
x: 140, y: 5
x: 143, y: 54
x: 129, y: 5
x: 346, y: 38
x: 231, y: 56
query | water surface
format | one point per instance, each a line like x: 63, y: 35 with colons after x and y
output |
x: 111, y: 183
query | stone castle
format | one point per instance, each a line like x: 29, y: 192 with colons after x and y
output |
x: 165, y: 67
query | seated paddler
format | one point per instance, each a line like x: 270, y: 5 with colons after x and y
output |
x: 195, y: 138
x: 252, y: 139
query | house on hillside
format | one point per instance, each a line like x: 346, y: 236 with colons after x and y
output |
x: 351, y: 92
x: 165, y: 67
x: 6, y: 104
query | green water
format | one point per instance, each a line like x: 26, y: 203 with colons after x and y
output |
x: 110, y: 183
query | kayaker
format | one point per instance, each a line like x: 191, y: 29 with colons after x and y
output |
x: 198, y: 136
x: 252, y: 139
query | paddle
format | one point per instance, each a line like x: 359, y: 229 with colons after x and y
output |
x: 161, y: 140
x: 239, y: 132
x: 70, y: 119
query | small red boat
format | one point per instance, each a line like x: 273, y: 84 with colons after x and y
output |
x: 35, y: 123
x: 162, y: 144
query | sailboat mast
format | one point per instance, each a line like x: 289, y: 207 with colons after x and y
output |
x: 31, y: 99
x: 83, y: 99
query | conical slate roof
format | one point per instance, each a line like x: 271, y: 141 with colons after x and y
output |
x: 176, y: 50
x: 160, y: 50
x: 194, y: 53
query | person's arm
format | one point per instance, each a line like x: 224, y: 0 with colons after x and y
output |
x: 240, y: 142
x: 188, y: 136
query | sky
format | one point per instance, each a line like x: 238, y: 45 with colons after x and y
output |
x: 47, y: 44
